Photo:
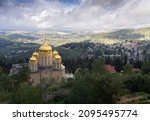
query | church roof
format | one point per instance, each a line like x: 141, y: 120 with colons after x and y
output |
x: 55, y: 52
x: 35, y: 54
x: 33, y: 58
x: 45, y: 47
x: 110, y: 68
x: 58, y: 57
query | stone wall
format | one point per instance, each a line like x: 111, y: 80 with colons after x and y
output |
x: 47, y: 75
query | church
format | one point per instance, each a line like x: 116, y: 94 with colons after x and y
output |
x: 45, y: 65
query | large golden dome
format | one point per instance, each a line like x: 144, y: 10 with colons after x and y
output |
x: 45, y: 47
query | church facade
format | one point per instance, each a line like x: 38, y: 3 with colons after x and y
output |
x: 46, y: 65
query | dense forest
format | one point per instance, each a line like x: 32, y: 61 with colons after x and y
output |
x: 92, y: 84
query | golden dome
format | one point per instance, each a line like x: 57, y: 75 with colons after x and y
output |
x: 45, y: 47
x: 33, y: 59
x: 55, y: 53
x: 35, y: 54
x: 57, y: 57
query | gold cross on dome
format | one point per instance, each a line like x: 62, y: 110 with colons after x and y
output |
x: 45, y: 42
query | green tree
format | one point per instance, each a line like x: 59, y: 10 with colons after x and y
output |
x: 1, y: 70
x: 6, y: 82
x: 25, y: 94
x: 127, y: 69
x: 96, y: 86
x: 5, y: 96
x: 98, y: 65
x: 107, y: 88
x: 146, y: 67
x: 146, y: 83
x: 118, y: 63
x: 134, y: 82
x: 22, y: 76
x: 81, y: 91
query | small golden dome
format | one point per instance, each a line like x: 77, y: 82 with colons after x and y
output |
x: 55, y: 53
x: 33, y: 58
x: 35, y: 54
x: 57, y: 57
x: 45, y: 47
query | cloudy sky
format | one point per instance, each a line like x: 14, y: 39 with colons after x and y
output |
x: 74, y: 14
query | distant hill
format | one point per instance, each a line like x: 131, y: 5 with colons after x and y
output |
x: 20, y: 36
x: 123, y: 34
x: 143, y: 31
x: 60, y: 38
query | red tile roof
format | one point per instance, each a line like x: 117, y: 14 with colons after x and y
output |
x: 110, y: 68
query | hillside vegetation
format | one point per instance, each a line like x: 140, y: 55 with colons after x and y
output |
x: 59, y: 38
x: 123, y: 34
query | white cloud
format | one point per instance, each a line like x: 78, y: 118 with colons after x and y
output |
x: 89, y: 14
